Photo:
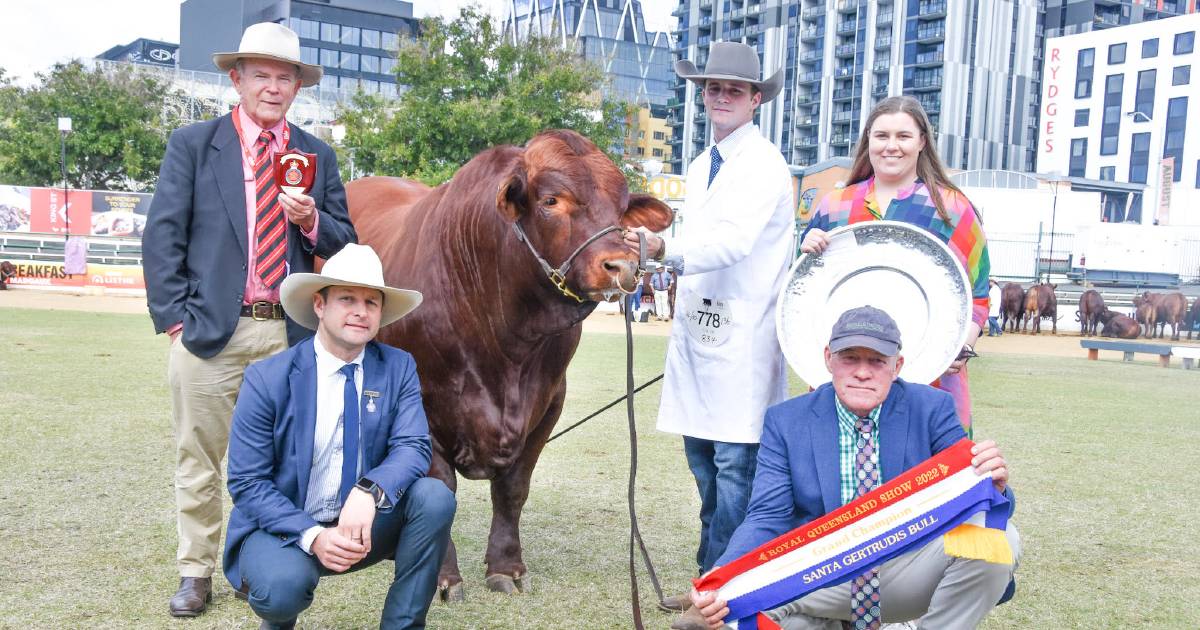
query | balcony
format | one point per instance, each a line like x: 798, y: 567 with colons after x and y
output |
x: 931, y: 32
x: 754, y: 8
x: 930, y: 9
x: 883, y: 19
x: 810, y: 77
x: 809, y: 122
x: 927, y: 82
x: 672, y: 121
x: 883, y: 42
x: 807, y: 98
x: 737, y: 14
x: 736, y: 33
x: 1107, y: 19
x: 932, y: 104
x: 703, y: 40
x: 841, y: 139
x: 754, y: 29
x: 809, y: 56
x: 931, y: 58
x: 806, y: 141
x: 847, y: 6
x: 812, y: 13
x: 880, y: 89
x: 706, y: 21
x: 674, y: 103
x: 844, y: 50
x: 705, y: 4
x: 843, y: 116
x: 882, y: 65
x: 813, y: 32
x: 844, y: 71
x: 701, y: 118
x: 847, y: 27
x: 843, y: 94
x: 679, y: 10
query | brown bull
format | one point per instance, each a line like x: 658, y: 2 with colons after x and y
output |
x: 494, y: 335
x: 1193, y: 317
x: 1171, y: 308
x: 1146, y: 311
x: 1040, y: 302
x: 1012, y: 306
x: 1117, y: 325
x: 1091, y: 305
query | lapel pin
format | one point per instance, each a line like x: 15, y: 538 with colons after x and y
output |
x: 371, y: 396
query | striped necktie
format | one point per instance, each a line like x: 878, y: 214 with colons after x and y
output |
x: 716, y: 165
x: 349, y: 434
x: 270, y: 226
x: 864, y: 589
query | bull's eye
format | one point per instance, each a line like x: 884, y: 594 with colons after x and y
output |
x: 549, y: 201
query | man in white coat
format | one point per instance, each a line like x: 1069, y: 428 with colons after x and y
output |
x: 724, y: 365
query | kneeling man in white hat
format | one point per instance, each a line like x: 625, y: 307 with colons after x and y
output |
x: 328, y: 454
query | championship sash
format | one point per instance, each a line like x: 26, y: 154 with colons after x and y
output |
x: 940, y: 496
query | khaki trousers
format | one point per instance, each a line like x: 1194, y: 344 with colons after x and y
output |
x: 203, y: 393
x: 942, y: 592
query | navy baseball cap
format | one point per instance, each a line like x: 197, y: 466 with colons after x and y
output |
x: 866, y: 327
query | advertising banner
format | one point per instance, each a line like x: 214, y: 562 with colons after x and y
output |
x: 53, y: 274
x: 90, y: 212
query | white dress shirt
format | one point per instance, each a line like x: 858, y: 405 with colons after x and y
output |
x: 321, y: 501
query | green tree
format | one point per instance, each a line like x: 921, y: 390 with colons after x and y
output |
x: 466, y: 88
x: 118, y: 137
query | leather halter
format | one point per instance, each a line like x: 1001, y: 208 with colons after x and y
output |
x: 558, y: 276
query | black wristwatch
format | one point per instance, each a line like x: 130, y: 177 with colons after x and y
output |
x: 373, y: 489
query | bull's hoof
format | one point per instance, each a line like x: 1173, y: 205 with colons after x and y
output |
x: 452, y: 593
x: 524, y: 583
x: 500, y: 583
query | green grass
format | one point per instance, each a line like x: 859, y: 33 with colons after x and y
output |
x: 1101, y: 452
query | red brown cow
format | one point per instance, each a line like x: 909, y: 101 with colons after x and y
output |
x: 494, y: 335
x: 1120, y: 326
x: 1040, y: 302
x: 1146, y: 311
x: 1193, y: 317
x: 1091, y: 304
x: 1012, y: 306
x: 1171, y: 309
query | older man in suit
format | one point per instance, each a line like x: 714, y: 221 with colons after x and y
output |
x: 328, y: 454
x: 219, y: 239
x: 823, y: 449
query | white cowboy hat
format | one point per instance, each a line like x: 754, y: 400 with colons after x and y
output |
x: 268, y: 40
x: 354, y: 266
x: 732, y: 61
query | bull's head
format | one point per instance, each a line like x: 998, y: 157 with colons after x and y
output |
x: 562, y: 193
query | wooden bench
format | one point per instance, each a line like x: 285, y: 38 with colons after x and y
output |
x: 1129, y: 348
x: 1189, y: 354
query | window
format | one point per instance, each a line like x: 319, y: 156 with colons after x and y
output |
x: 1139, y: 157
x: 1181, y: 75
x: 658, y: 135
x: 348, y: 61
x: 1082, y: 116
x: 328, y: 82
x: 641, y: 151
x: 1108, y: 173
x: 1144, y: 97
x: 329, y: 58
x: 309, y: 55
x: 369, y: 86
x: 370, y: 38
x: 309, y: 29
x: 370, y: 63
x: 1185, y: 42
x: 1149, y: 48
x: 329, y: 32
x: 1110, y: 124
x: 387, y: 89
x: 1176, y: 126
x: 387, y: 65
x: 1116, y: 54
x: 641, y: 135
x: 350, y: 35
x: 1084, y: 64
x: 656, y: 152
x: 1083, y: 88
x: 391, y: 41
x: 1078, y: 157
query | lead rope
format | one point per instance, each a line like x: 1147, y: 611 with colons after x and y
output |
x: 635, y: 534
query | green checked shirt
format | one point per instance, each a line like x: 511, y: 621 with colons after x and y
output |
x: 848, y: 449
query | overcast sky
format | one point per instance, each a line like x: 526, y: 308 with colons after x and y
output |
x: 36, y: 34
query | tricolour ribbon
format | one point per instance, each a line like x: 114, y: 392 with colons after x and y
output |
x: 940, y: 496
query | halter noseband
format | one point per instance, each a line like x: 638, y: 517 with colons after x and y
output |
x: 558, y: 277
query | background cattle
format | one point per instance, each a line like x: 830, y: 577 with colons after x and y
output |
x: 1012, y: 305
x: 1193, y: 317
x: 494, y: 335
x: 1171, y: 308
x: 1091, y: 305
x: 1146, y: 312
x: 1118, y: 325
x: 1040, y: 302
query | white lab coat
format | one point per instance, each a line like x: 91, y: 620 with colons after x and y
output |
x: 737, y: 243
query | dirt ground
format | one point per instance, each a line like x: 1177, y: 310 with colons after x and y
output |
x: 1065, y: 344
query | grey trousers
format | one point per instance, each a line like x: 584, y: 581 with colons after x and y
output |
x: 939, y: 591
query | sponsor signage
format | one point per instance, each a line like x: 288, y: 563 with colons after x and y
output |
x: 85, y: 212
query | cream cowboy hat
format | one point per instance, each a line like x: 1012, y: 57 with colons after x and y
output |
x: 732, y: 61
x: 268, y: 40
x: 354, y: 266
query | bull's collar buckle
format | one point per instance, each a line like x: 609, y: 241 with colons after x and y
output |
x: 560, y: 281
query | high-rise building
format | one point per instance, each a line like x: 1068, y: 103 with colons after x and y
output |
x: 355, y: 41
x: 144, y: 51
x: 1067, y: 17
x: 1115, y: 107
x: 971, y: 63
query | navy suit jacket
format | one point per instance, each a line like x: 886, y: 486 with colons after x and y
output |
x: 799, y: 475
x: 195, y: 244
x: 271, y: 441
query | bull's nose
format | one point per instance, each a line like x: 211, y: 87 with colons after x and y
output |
x: 624, y: 272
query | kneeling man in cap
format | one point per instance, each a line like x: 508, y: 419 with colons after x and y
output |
x: 824, y: 449
x: 328, y: 454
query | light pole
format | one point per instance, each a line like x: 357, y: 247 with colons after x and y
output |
x: 64, y: 128
x: 1150, y: 173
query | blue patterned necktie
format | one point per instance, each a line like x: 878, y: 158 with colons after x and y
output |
x: 349, y: 434
x: 716, y: 165
x: 864, y: 589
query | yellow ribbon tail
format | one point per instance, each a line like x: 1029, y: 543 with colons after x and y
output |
x: 978, y: 543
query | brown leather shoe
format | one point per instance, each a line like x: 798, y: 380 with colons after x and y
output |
x: 690, y: 620
x: 677, y: 603
x: 192, y: 597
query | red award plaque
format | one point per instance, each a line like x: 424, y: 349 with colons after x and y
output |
x: 295, y: 170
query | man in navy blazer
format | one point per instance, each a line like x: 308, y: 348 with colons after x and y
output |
x: 328, y: 454
x: 219, y: 238
x: 803, y: 473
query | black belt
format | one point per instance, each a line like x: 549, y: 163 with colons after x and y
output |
x: 263, y: 310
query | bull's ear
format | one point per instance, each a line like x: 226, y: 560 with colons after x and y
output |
x: 511, y: 195
x: 647, y: 211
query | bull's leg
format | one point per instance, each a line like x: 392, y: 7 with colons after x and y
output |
x: 1054, y: 324
x: 450, y: 586
x: 506, y: 570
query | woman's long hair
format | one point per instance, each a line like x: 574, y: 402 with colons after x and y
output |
x: 929, y: 166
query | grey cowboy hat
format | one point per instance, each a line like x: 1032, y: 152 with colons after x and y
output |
x: 732, y: 61
x: 268, y: 40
